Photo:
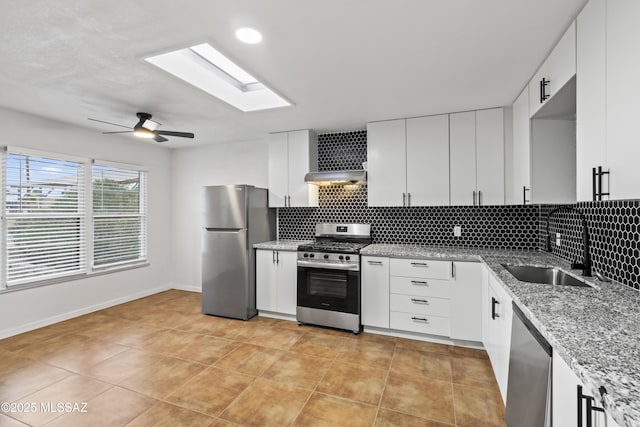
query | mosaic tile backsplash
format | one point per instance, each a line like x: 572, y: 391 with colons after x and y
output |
x: 614, y: 226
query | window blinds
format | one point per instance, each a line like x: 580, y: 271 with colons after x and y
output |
x: 44, y: 217
x: 119, y: 215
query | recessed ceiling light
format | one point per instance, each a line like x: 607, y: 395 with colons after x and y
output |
x: 206, y: 68
x: 249, y: 35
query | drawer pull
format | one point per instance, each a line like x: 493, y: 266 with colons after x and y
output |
x: 420, y: 264
x: 374, y: 262
x: 419, y: 301
x: 419, y: 283
x: 421, y: 319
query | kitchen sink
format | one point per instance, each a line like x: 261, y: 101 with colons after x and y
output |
x: 547, y: 275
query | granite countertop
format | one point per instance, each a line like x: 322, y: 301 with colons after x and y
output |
x: 281, y: 245
x: 595, y: 330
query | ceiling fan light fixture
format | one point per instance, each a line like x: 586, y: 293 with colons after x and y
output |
x: 144, y: 133
x: 249, y: 35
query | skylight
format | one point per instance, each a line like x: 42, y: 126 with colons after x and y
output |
x: 209, y: 70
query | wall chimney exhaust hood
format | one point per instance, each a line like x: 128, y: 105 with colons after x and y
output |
x: 336, y: 177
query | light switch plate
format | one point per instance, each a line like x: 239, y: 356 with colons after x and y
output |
x: 557, y: 239
x: 457, y: 231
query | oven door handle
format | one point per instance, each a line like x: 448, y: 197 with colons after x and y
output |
x: 315, y: 264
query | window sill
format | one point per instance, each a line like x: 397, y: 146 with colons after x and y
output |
x: 95, y: 272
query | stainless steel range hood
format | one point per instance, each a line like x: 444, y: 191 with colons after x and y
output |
x: 336, y: 177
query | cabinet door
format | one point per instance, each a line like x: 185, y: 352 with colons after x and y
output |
x: 266, y: 280
x: 278, y: 169
x: 623, y: 95
x: 564, y: 396
x: 490, y: 156
x: 521, y: 149
x: 463, y: 158
x: 375, y: 292
x: 302, y: 159
x: 428, y: 160
x: 466, y: 303
x: 286, y: 290
x: 558, y: 69
x: 590, y: 95
x: 387, y: 163
x: 499, y: 334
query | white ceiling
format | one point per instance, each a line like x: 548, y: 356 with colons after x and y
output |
x: 341, y: 62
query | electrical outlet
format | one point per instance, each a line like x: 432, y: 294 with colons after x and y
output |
x: 557, y: 239
x: 457, y: 231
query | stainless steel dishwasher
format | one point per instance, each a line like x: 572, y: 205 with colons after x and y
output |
x: 529, y: 386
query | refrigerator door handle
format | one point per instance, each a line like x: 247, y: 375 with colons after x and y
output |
x: 226, y: 230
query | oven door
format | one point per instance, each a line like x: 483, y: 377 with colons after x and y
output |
x: 326, y: 289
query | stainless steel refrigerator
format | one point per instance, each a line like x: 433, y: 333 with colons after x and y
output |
x: 236, y: 217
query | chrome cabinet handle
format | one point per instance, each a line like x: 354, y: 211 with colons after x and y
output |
x: 409, y: 199
x: 420, y: 283
x: 421, y: 319
x: 420, y: 264
x: 273, y: 256
x: 277, y: 257
x: 404, y: 199
x: 420, y: 301
x: 474, y: 197
x: 524, y: 194
x: 479, y: 198
x: 374, y: 262
x: 453, y: 270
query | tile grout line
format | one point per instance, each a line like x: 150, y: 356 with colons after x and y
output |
x: 386, y: 380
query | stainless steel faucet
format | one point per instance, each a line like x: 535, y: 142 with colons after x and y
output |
x: 586, y: 258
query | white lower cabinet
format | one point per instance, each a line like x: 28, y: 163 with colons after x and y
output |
x: 497, y: 312
x: 565, y: 398
x: 426, y: 296
x: 276, y: 281
x: 374, y: 278
x: 466, y: 301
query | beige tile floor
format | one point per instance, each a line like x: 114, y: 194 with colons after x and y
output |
x: 158, y: 361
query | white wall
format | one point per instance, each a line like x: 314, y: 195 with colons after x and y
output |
x: 191, y: 170
x: 27, y: 309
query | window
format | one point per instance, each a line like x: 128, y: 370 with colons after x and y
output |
x: 119, y: 215
x: 44, y: 227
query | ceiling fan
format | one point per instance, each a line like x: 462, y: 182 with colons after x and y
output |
x: 147, y: 128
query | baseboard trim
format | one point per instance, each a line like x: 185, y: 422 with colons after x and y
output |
x: 189, y: 288
x: 280, y: 316
x: 6, y: 333
x: 423, y: 337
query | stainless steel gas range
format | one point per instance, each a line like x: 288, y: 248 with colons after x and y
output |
x: 329, y: 276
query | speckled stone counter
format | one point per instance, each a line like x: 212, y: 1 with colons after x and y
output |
x: 281, y: 245
x: 595, y: 330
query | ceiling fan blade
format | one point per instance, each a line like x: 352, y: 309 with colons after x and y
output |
x: 158, y: 138
x: 122, y: 131
x: 109, y: 123
x: 172, y: 133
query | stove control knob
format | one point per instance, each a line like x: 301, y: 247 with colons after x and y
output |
x: 326, y: 257
x: 311, y: 255
x: 348, y: 258
x: 340, y: 257
x: 306, y: 255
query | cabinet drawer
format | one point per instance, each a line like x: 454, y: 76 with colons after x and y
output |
x: 419, y: 304
x: 423, y: 287
x: 419, y: 323
x: 422, y: 268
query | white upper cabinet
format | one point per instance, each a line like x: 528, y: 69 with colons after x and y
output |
x: 463, y: 158
x: 490, y: 156
x: 291, y: 156
x: 591, y: 101
x: 477, y: 157
x: 521, y: 150
x: 428, y: 161
x: 556, y: 70
x: 408, y: 162
x: 623, y: 95
x: 387, y: 163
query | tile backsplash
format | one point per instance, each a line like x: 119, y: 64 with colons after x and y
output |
x: 614, y: 226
